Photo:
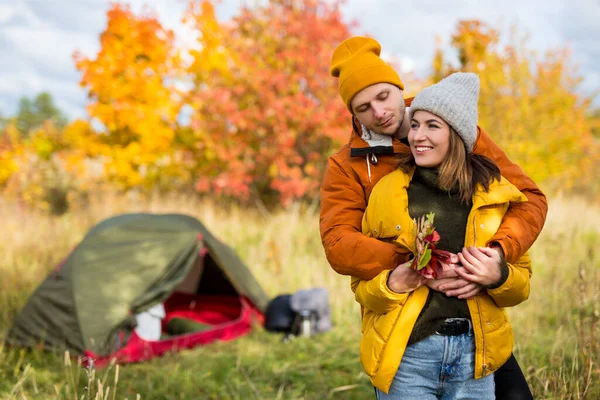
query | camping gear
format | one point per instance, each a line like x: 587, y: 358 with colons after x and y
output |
x: 181, y: 326
x: 279, y: 316
x: 312, y: 305
x: 124, y: 266
x: 148, y: 323
x: 304, y: 313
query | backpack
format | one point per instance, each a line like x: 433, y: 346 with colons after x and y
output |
x: 303, y: 313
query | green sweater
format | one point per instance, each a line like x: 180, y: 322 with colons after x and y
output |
x: 450, y: 221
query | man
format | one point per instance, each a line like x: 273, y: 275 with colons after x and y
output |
x: 373, y: 93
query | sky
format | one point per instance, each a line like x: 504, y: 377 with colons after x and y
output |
x: 38, y: 37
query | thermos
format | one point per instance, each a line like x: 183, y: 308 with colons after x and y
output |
x: 305, y: 323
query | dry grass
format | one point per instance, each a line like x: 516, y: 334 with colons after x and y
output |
x: 557, y: 330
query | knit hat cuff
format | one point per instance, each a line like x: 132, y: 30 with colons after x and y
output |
x: 364, y: 77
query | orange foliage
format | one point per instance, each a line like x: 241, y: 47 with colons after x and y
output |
x: 265, y: 114
x: 131, y: 92
x: 270, y: 114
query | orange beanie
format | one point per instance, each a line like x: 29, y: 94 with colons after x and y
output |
x: 357, y: 64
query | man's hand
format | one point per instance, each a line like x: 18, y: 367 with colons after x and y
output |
x: 405, y: 280
x: 482, y: 265
x: 458, y: 287
x: 451, y: 284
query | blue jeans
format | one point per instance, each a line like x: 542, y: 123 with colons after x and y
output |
x: 439, y: 367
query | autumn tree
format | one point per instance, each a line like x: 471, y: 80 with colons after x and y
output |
x: 10, y: 147
x: 530, y: 104
x: 132, y: 93
x: 267, y: 113
x: 35, y: 170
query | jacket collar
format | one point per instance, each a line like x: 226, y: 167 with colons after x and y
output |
x: 499, y: 193
x: 360, y: 147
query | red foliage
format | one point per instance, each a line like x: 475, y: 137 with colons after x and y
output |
x: 267, y: 122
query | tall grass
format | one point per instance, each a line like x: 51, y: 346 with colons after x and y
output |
x: 557, y: 330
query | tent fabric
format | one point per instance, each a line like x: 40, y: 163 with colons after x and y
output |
x: 122, y: 267
x: 224, y: 256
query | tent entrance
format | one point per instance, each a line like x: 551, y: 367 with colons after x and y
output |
x: 204, y: 307
x: 206, y: 278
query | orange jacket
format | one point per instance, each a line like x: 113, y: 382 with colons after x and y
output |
x: 348, y: 182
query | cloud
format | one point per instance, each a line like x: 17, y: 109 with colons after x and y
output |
x: 580, y: 29
x: 37, y: 53
x: 409, y: 31
x: 37, y: 41
x: 412, y: 31
x: 72, y: 16
x: 38, y: 37
x: 48, y: 50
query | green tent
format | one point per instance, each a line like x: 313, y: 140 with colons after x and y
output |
x: 123, y: 266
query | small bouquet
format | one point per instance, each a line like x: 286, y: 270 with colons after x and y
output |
x: 428, y: 260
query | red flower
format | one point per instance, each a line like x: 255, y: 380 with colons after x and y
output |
x: 432, y: 238
x: 428, y: 260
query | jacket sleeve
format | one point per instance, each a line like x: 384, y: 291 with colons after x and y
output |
x: 375, y: 295
x: 515, y: 289
x: 348, y: 251
x: 524, y: 221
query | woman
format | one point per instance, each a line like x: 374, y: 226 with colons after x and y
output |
x: 419, y: 343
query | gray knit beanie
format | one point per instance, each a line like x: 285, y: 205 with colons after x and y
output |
x: 454, y: 99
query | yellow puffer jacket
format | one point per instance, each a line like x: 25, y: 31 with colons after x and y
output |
x: 389, y: 317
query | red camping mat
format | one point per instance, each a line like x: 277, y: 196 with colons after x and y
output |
x: 229, y: 317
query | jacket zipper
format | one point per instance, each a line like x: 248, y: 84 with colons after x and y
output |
x: 474, y: 229
x: 483, y: 365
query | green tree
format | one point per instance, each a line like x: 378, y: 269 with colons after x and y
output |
x: 33, y: 113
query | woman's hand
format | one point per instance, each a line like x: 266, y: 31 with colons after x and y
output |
x: 481, y: 265
x: 449, y: 267
x: 403, y: 279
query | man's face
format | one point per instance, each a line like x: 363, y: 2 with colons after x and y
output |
x: 380, y: 108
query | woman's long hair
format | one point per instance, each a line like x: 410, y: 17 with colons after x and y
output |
x: 459, y: 170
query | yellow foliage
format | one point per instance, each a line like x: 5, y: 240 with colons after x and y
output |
x: 130, y: 84
x: 530, y: 105
x: 8, y: 166
x: 10, y: 148
x: 45, y: 141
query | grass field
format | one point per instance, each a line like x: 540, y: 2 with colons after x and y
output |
x: 557, y: 330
